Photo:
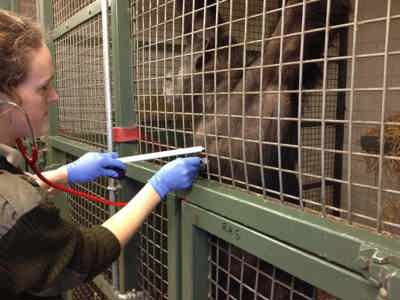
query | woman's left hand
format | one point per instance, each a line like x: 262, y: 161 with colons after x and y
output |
x: 92, y: 165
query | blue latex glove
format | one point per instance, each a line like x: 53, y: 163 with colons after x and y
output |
x: 178, y: 174
x: 92, y: 165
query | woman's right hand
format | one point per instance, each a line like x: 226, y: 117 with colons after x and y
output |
x: 178, y: 174
x: 92, y: 165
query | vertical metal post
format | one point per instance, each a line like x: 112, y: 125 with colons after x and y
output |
x: 108, y: 106
x: 14, y: 5
x: 383, y: 112
x: 323, y: 117
x: 350, y: 117
x: 121, y: 63
x: 244, y: 96
x: 174, y: 212
x: 125, y: 114
x: 300, y: 106
x: 278, y: 120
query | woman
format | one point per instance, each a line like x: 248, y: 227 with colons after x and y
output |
x: 41, y: 255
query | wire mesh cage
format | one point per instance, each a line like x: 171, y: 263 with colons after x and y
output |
x: 236, y: 274
x: 86, y: 213
x: 27, y: 8
x: 80, y: 84
x: 282, y: 96
x: 64, y: 9
x: 88, y: 292
x: 153, y: 255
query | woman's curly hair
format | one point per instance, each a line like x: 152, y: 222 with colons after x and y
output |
x: 18, y: 37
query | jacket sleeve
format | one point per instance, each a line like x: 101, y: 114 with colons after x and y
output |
x: 44, y: 254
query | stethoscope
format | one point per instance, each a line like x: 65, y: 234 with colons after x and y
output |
x: 32, y: 159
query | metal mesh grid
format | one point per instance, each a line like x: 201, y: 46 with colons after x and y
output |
x: 87, y: 213
x: 153, y: 257
x: 88, y: 292
x: 235, y: 274
x: 27, y: 8
x: 64, y: 9
x: 189, y: 83
x: 80, y: 84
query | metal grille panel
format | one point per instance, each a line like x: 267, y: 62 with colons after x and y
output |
x: 87, y: 213
x: 64, y: 9
x: 80, y: 84
x: 27, y: 8
x: 88, y: 292
x: 235, y: 274
x: 153, y: 257
x: 188, y: 75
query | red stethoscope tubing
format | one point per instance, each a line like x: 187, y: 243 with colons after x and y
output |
x: 31, y: 161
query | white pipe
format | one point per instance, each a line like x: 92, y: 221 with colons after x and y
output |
x: 108, y: 107
x: 162, y: 154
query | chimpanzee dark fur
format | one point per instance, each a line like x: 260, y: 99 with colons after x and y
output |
x: 206, y: 51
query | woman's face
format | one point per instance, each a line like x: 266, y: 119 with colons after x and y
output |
x: 36, y: 93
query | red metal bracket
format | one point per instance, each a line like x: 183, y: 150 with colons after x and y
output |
x: 125, y: 134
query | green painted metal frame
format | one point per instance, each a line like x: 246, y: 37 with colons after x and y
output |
x: 9, y: 5
x: 120, y: 59
x: 197, y: 222
x: 5, y: 4
x: 80, y: 17
x: 354, y: 249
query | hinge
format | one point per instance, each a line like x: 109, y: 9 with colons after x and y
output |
x: 382, y: 268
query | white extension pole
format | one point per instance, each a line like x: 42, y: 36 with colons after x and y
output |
x: 162, y: 154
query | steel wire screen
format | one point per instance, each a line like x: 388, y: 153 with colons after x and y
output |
x: 88, y: 213
x: 235, y: 274
x: 153, y: 255
x: 80, y: 84
x: 281, y: 95
x: 88, y: 292
x: 27, y: 8
x: 64, y: 9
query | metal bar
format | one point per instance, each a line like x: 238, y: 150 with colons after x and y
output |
x: 121, y: 63
x: 350, y: 121
x: 244, y: 156
x: 278, y: 120
x: 14, y: 6
x: 150, y: 82
x: 142, y: 101
x: 108, y: 111
x: 215, y: 98
x: 174, y: 248
x: 312, y: 269
x: 203, y: 91
x: 324, y: 93
x: 382, y: 125
x: 161, y: 154
x: 230, y: 96
x: 194, y: 253
x: 340, y: 114
x: 300, y: 107
x: 260, y: 108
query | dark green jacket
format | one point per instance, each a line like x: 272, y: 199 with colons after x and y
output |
x: 40, y: 253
